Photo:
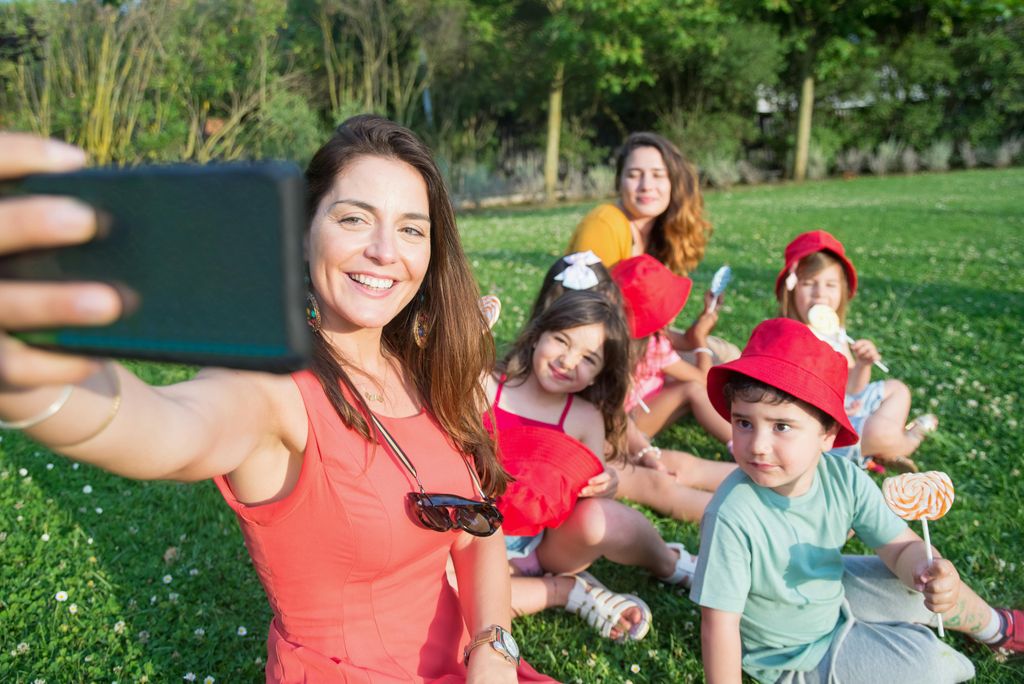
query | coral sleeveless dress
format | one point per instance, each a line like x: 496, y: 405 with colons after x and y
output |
x: 358, y: 590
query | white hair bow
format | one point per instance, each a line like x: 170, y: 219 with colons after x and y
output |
x: 579, y: 275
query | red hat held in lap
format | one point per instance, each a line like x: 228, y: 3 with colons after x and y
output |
x: 808, y: 243
x: 653, y: 295
x: 785, y: 354
x: 550, y: 468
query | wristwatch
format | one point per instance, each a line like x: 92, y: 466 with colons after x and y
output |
x: 499, y: 639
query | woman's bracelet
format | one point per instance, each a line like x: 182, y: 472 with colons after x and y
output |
x: 47, y: 412
x: 703, y: 350
x: 649, y: 449
x: 114, y: 408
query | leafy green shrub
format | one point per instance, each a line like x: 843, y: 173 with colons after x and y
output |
x: 936, y: 157
x: 851, y: 161
x: 910, y: 161
x: 968, y: 155
x: 721, y: 170
x: 704, y: 136
x: 750, y: 173
x: 885, y: 157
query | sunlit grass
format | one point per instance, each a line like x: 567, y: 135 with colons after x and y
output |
x: 162, y: 583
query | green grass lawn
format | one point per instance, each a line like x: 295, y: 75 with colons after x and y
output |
x: 160, y: 581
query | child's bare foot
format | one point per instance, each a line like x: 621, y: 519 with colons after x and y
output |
x: 922, y: 426
x: 616, y: 616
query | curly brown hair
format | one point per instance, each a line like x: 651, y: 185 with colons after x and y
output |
x: 680, y: 234
x: 447, y: 370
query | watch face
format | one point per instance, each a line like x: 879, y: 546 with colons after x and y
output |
x: 510, y: 644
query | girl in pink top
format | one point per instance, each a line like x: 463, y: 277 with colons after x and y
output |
x: 353, y: 481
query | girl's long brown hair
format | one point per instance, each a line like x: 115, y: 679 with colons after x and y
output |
x: 608, y: 393
x: 459, y: 350
x: 680, y: 234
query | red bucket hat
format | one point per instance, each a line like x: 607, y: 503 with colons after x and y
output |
x: 653, y: 295
x: 785, y: 354
x: 808, y: 243
x: 550, y: 468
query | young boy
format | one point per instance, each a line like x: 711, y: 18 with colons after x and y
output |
x: 778, y: 599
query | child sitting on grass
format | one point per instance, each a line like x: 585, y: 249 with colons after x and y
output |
x: 817, y: 271
x: 674, y: 483
x: 778, y: 599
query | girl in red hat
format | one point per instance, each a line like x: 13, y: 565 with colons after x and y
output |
x: 564, y: 373
x: 818, y: 272
x: 674, y: 483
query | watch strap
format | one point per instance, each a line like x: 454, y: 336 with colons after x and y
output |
x: 490, y: 635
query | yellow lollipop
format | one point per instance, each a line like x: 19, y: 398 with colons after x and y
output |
x: 920, y: 496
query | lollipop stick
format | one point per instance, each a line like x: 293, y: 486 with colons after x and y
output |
x: 928, y: 555
x: 641, y: 404
x: 881, y: 366
x: 713, y: 305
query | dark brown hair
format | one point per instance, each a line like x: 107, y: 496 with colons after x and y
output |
x: 608, y: 393
x: 458, y: 351
x: 753, y: 391
x: 681, y: 233
x: 808, y: 267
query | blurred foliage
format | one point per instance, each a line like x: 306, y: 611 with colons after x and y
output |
x: 221, y: 79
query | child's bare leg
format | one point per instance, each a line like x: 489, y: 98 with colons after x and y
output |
x: 662, y: 492
x: 603, y: 527
x: 676, y: 399
x: 693, y: 471
x: 971, y: 613
x: 884, y: 435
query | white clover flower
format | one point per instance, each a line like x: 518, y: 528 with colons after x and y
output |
x: 119, y: 627
x: 44, y: 536
x: 73, y: 609
x: 38, y: 681
x: 242, y: 631
x: 172, y: 597
x: 167, y: 579
x: 61, y: 596
x: 189, y: 677
x: 89, y: 540
x: 74, y: 466
x: 208, y: 679
x: 49, y: 466
x: 87, y: 489
x: 193, y: 572
x: 99, y: 510
x: 23, y: 471
x: 22, y: 647
x: 199, y: 631
x: 634, y: 668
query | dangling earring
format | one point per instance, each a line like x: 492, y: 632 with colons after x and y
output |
x: 313, y: 313
x: 420, y: 325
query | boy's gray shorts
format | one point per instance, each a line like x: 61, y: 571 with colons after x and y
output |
x: 884, y: 639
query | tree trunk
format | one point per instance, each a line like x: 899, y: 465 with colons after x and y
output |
x: 554, y: 129
x: 803, y: 129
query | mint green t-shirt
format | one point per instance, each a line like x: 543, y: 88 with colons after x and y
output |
x: 778, y: 561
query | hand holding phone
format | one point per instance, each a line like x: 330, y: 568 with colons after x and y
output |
x: 37, y: 222
x: 206, y: 260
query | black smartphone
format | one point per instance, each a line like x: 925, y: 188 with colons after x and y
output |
x: 207, y: 259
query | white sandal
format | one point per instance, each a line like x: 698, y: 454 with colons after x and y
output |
x: 686, y: 566
x: 602, y: 608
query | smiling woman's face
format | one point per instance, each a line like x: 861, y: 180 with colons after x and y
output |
x: 645, y: 188
x: 369, y: 243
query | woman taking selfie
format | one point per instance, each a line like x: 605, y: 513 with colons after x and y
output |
x: 325, y: 469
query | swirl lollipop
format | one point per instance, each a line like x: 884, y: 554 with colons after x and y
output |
x: 825, y: 322
x: 490, y: 306
x: 920, y: 496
